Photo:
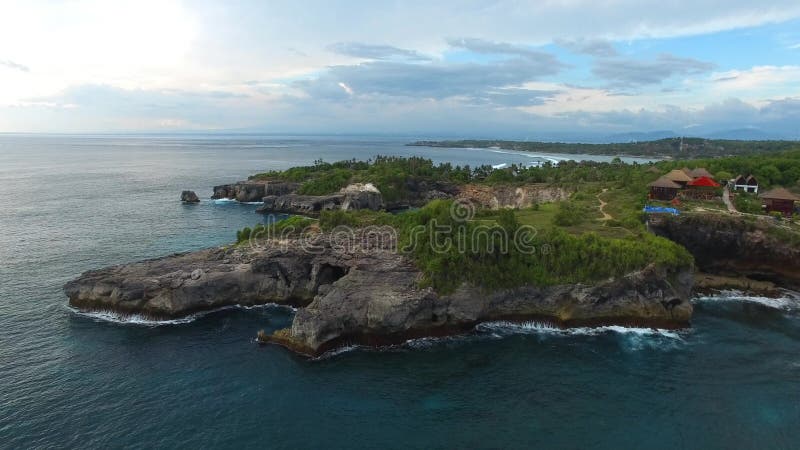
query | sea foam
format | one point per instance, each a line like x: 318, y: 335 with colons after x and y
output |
x: 138, y: 319
x: 789, y: 301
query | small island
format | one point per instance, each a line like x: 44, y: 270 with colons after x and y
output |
x: 380, y: 251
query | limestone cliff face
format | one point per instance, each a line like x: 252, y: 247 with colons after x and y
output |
x: 736, y: 246
x: 242, y: 191
x: 352, y: 197
x: 375, y: 306
x: 307, y: 205
x: 494, y: 197
x: 365, y: 293
x: 282, y: 196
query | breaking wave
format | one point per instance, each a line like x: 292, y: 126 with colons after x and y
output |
x: 789, y: 301
x: 631, y: 338
x: 138, y: 319
x: 506, y: 328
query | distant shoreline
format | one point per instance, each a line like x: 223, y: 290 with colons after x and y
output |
x: 662, y: 148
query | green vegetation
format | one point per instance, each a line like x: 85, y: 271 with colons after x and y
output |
x: 495, y: 251
x: 393, y: 176
x: 326, y: 182
x: 573, y: 242
x: 488, y: 254
x: 291, y: 226
x: 748, y: 203
x: 570, y: 214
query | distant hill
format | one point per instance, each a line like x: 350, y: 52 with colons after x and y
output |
x: 750, y: 134
x: 674, y: 147
x: 641, y: 136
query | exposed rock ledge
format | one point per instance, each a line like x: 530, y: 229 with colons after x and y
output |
x: 354, y: 196
x: 737, y: 247
x: 282, y: 196
x: 366, y: 294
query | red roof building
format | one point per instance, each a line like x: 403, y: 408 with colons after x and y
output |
x: 702, y: 188
x: 703, y: 182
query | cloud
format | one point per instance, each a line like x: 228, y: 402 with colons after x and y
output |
x: 500, y: 48
x: 436, y: 80
x: 129, y: 109
x: 489, y: 113
x: 345, y: 88
x: 15, y: 66
x: 377, y: 52
x: 627, y: 72
x: 515, y: 97
x: 593, y: 47
x: 356, y: 62
x: 497, y: 82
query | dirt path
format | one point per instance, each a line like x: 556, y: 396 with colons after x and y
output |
x: 726, y: 197
x: 606, y: 216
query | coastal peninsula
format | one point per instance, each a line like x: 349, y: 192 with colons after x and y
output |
x: 376, y: 252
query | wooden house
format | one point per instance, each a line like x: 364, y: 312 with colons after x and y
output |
x: 779, y: 199
x: 664, y: 189
x: 679, y: 177
x: 700, y: 172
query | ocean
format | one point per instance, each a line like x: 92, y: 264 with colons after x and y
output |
x: 74, y: 203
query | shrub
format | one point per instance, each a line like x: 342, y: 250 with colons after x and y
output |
x: 748, y: 203
x: 327, y: 183
x: 290, y: 226
x: 243, y: 235
x: 569, y: 214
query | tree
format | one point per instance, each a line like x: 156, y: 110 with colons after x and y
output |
x: 723, y: 176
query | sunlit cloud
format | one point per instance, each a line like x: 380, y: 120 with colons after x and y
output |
x: 502, y: 67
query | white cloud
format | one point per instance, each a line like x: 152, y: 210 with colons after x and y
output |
x: 381, y: 61
x: 345, y: 88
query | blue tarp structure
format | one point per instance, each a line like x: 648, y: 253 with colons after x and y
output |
x: 661, y: 209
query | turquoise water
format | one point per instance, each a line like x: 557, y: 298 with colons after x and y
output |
x: 69, y: 380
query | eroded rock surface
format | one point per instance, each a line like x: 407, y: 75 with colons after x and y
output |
x: 736, y: 246
x: 189, y: 197
x: 365, y: 292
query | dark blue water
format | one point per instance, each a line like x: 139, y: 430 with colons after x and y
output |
x: 67, y: 380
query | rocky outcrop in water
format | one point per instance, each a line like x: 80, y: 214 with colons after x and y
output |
x: 736, y: 246
x: 180, y: 284
x: 243, y: 191
x: 189, y: 197
x: 365, y: 293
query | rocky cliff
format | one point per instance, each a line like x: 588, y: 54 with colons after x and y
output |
x: 736, y: 246
x: 282, y: 196
x: 365, y: 293
x: 242, y: 191
x: 525, y: 196
x: 253, y: 191
x: 352, y: 197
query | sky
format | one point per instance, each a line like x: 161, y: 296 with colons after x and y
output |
x: 506, y: 69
